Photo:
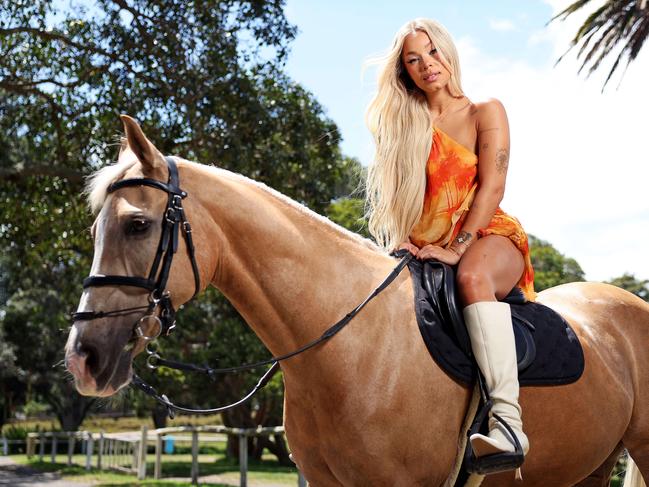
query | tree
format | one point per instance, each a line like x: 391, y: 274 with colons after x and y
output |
x: 7, y: 371
x: 205, y: 80
x: 616, y: 22
x: 552, y: 268
x: 349, y: 213
x: 38, y: 336
x: 636, y: 286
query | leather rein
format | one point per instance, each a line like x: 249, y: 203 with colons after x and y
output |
x: 173, y: 221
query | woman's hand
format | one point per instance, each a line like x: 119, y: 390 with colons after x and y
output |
x: 438, y: 253
x: 410, y: 247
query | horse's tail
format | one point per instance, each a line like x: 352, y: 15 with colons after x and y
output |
x: 632, y: 477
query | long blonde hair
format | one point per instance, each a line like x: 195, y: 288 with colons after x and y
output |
x: 400, y: 122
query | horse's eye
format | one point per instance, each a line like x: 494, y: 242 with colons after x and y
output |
x: 137, y: 226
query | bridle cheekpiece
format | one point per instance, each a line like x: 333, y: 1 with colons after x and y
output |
x: 173, y: 221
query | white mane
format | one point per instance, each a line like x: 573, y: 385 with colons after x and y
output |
x: 98, y: 182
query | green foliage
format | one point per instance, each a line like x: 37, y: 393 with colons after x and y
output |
x: 206, y: 82
x: 34, y: 408
x: 349, y: 213
x: 12, y: 432
x: 632, y: 284
x: 551, y: 267
x: 619, y: 23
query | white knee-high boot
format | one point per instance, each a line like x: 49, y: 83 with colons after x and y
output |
x: 489, y: 324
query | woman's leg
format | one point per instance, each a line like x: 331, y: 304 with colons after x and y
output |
x: 488, y: 271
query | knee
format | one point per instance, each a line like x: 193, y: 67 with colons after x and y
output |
x: 473, y: 284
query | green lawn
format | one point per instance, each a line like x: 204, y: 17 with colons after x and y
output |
x: 175, y: 468
x: 213, y: 464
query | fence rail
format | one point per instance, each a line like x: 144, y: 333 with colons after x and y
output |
x: 127, y: 451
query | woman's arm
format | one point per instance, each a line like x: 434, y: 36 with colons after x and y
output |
x: 493, y: 160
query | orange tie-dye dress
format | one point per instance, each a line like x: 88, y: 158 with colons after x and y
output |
x: 451, y: 184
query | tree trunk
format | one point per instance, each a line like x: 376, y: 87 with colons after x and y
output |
x: 159, y: 415
x: 240, y: 417
x: 277, y: 448
x: 70, y: 407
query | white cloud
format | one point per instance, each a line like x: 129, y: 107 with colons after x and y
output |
x: 501, y: 25
x: 579, y: 167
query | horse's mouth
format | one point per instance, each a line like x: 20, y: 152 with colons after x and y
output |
x: 103, y: 383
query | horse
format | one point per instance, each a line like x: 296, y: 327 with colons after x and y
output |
x: 369, y: 407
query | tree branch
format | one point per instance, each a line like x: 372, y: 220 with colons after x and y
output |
x: 16, y: 175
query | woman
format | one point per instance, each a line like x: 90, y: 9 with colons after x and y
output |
x: 434, y: 189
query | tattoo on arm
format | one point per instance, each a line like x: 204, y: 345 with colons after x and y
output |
x: 502, y: 161
x: 461, y: 242
x: 463, y: 237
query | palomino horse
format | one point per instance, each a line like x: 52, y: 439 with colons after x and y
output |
x: 370, y: 407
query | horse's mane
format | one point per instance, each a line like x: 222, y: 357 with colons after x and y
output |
x: 297, y: 206
x: 98, y: 182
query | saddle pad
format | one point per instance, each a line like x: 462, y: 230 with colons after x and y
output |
x: 559, y: 356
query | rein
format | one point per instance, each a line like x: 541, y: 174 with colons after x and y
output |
x: 327, y: 335
x: 173, y: 221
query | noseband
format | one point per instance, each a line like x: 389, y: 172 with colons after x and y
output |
x: 173, y: 221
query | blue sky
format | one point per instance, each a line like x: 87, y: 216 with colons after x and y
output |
x: 578, y: 159
x: 336, y: 37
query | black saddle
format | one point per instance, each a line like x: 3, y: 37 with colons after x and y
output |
x: 548, y: 350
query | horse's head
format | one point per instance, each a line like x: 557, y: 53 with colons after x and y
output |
x: 133, y: 231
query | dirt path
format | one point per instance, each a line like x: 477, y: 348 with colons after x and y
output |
x: 14, y: 474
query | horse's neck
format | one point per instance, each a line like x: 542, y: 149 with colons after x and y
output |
x: 289, y: 273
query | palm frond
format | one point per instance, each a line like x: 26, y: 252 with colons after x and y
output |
x: 617, y: 22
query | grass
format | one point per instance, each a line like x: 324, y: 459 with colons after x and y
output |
x: 214, y: 467
x: 174, y: 468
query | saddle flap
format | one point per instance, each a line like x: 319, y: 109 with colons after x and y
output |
x: 548, y: 351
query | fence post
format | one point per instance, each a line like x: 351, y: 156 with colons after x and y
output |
x: 157, y: 471
x: 134, y: 452
x: 70, y: 447
x: 30, y: 445
x: 243, y: 459
x: 54, y: 447
x: 141, y: 471
x: 89, y: 449
x: 194, y: 456
x: 100, y: 449
x: 41, y: 446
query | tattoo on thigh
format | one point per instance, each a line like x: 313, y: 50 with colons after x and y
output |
x: 502, y: 161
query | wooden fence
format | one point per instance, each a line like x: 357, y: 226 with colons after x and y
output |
x: 127, y: 451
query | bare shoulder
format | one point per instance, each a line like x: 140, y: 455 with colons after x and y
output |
x: 489, y: 113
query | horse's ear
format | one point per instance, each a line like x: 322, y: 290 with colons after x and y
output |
x: 142, y: 147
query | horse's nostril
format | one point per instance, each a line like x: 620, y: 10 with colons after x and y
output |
x: 90, y: 357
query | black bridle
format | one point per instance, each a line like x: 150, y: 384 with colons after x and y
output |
x: 172, y: 222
